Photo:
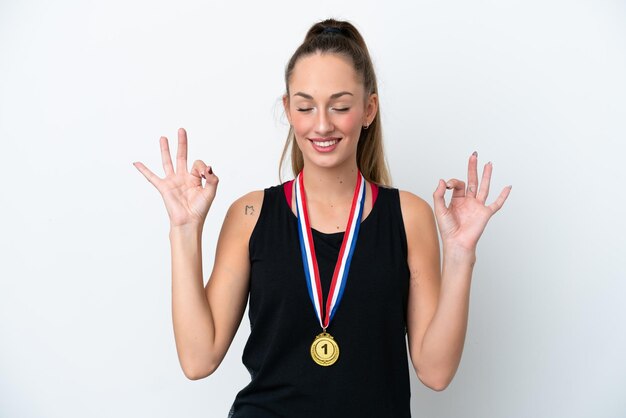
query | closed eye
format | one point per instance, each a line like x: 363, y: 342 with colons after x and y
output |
x: 344, y: 109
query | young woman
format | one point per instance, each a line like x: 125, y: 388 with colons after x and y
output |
x: 340, y: 268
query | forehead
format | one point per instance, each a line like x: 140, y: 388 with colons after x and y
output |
x: 324, y: 74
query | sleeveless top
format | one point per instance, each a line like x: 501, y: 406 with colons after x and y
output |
x: 371, y: 376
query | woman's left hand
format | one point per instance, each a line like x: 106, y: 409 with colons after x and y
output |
x: 463, y: 221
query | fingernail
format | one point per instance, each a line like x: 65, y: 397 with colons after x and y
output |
x: 448, y: 185
x: 210, y: 170
x: 489, y: 163
x: 475, y: 153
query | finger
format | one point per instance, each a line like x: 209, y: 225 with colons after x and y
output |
x: 483, y: 192
x: 458, y: 187
x: 210, y: 176
x: 166, y: 157
x: 198, y: 169
x: 472, y: 175
x: 438, y: 197
x: 181, y: 154
x: 495, y: 206
x: 152, y: 178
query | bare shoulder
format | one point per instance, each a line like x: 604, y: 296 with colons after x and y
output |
x: 416, y: 211
x: 247, y: 206
x: 243, y: 213
x: 421, y: 230
x: 422, y: 239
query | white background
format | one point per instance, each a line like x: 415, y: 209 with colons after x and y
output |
x: 86, y: 88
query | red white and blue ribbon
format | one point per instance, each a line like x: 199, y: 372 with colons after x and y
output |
x: 309, y: 259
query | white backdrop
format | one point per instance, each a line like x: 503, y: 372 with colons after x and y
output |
x: 86, y: 88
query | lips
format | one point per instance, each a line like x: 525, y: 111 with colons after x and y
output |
x: 325, y: 144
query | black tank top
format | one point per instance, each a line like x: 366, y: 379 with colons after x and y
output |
x: 371, y: 376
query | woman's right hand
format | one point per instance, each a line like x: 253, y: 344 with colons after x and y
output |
x: 186, y: 200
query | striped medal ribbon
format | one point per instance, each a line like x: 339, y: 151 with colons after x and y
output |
x: 324, y: 349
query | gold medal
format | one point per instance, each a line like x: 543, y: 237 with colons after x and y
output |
x: 324, y: 349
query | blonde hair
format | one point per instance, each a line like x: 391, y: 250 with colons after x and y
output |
x: 341, y: 37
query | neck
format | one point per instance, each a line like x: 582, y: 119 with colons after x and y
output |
x: 330, y: 184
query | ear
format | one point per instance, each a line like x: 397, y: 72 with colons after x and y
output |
x: 286, y: 107
x: 371, y: 108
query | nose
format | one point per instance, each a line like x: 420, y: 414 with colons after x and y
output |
x: 323, y: 124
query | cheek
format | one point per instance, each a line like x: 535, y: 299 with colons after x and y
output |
x: 349, y: 121
x: 300, y: 123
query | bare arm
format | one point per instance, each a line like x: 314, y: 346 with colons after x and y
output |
x: 425, y: 284
x: 439, y: 299
x: 207, y: 318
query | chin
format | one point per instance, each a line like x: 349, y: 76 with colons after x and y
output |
x: 329, y: 162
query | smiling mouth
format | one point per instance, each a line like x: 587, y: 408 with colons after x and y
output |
x: 324, y: 143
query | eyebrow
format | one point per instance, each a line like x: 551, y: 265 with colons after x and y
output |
x: 332, y: 96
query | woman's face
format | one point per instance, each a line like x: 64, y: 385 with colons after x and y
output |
x: 327, y: 109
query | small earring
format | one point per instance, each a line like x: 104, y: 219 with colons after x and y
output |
x: 366, y: 126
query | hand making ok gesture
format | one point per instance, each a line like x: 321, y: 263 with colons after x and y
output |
x: 186, y: 200
x: 463, y: 221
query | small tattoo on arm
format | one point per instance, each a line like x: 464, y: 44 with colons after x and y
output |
x: 249, y: 210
